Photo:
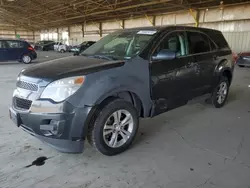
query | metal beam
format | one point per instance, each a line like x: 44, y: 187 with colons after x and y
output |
x: 83, y: 31
x: 14, y: 16
x: 118, y: 9
x: 195, y: 16
x: 100, y: 29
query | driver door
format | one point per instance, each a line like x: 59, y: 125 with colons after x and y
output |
x: 172, y: 78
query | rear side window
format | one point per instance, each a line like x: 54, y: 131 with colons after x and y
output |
x: 15, y: 44
x: 198, y: 43
x: 3, y: 44
x: 219, y: 39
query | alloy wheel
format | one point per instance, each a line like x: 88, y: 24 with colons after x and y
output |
x: 118, y: 128
x: 26, y: 59
x: 222, y: 92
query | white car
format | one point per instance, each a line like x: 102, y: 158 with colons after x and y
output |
x: 60, y: 47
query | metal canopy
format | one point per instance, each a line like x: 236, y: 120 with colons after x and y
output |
x: 40, y: 14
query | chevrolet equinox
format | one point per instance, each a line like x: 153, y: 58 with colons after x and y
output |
x: 100, y: 94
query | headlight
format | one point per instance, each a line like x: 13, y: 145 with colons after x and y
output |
x: 60, y: 90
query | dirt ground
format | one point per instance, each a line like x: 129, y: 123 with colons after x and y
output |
x: 195, y: 146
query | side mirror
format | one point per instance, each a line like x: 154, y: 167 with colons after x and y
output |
x: 164, y: 54
x: 76, y: 54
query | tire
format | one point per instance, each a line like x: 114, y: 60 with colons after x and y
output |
x: 112, y: 143
x: 219, y: 95
x: 26, y: 59
x: 62, y: 51
x: 241, y: 65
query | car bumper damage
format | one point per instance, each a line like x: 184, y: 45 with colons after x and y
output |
x: 63, y: 130
x: 61, y: 125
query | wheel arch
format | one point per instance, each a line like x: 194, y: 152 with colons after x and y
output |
x: 127, y: 96
x: 224, y: 69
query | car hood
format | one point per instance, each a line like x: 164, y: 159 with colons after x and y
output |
x: 69, y: 66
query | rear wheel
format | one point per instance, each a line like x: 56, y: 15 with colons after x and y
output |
x: 220, y: 93
x: 241, y: 65
x: 114, y: 128
x: 26, y: 59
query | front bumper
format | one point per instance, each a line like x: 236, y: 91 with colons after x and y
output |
x: 65, y: 129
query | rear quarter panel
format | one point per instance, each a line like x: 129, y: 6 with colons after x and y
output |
x: 225, y: 62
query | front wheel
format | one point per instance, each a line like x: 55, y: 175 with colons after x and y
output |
x: 26, y: 59
x: 114, y: 128
x: 220, y: 93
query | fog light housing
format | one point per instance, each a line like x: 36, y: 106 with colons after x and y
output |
x: 54, y: 128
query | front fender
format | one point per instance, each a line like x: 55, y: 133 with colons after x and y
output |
x: 100, y: 85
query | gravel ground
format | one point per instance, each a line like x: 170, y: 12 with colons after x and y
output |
x: 192, y: 146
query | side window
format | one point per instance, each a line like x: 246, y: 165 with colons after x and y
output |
x: 174, y: 42
x: 198, y: 43
x: 212, y: 45
x: 3, y: 44
x: 15, y: 44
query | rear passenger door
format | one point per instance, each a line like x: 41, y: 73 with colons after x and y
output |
x: 203, y: 51
x: 16, y: 49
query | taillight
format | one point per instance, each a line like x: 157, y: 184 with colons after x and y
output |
x: 235, y: 57
x: 30, y: 48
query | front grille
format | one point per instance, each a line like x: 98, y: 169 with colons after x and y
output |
x: 22, y: 104
x: 27, y: 85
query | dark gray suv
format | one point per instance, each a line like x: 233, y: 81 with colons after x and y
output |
x: 101, y: 94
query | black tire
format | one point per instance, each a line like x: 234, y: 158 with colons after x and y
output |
x: 241, y: 65
x: 95, y: 134
x: 62, y: 51
x: 214, y: 98
x: 26, y: 59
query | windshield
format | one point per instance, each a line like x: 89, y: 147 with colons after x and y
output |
x: 121, y: 45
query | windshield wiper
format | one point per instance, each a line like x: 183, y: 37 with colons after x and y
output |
x: 106, y: 57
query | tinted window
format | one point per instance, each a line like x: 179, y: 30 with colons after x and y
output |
x: 3, y: 44
x: 218, y: 38
x: 212, y: 45
x: 198, y: 43
x: 15, y: 44
x: 174, y: 42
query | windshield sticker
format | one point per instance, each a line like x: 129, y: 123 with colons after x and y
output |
x: 146, y: 32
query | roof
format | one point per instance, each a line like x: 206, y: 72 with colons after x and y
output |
x: 12, y: 39
x: 36, y: 14
x: 168, y: 27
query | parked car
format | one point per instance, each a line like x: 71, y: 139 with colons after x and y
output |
x: 32, y: 44
x: 243, y: 59
x: 16, y: 50
x: 60, y: 47
x: 101, y: 94
x: 83, y: 46
x: 45, y: 45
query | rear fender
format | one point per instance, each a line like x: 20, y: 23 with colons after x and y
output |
x: 223, y: 66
